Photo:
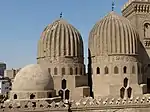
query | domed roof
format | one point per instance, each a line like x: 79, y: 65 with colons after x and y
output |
x: 33, y: 78
x: 60, y: 39
x: 113, y: 35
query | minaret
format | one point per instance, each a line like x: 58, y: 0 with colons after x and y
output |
x: 138, y: 12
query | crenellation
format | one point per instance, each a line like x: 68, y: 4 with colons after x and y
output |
x: 113, y: 101
x: 29, y: 105
x: 86, y: 103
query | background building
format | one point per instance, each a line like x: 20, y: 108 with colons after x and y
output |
x: 5, y: 86
x: 11, y: 73
x: 2, y: 69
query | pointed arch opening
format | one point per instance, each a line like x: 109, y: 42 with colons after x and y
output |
x: 64, y: 84
x: 129, y: 92
x: 122, y: 92
x: 15, y: 96
x: 71, y: 71
x: 55, y: 71
x: 61, y: 94
x: 133, y: 69
x: 106, y: 70
x: 116, y: 70
x: 125, y: 82
x: 67, y: 93
x: 98, y: 70
x: 63, y: 71
x: 124, y: 69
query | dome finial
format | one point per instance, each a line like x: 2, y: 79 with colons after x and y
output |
x: 113, y: 5
x: 61, y: 15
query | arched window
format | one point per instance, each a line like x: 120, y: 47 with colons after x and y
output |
x: 81, y: 71
x: 55, y: 71
x: 106, y: 70
x: 67, y: 94
x: 125, y: 69
x: 76, y: 70
x: 71, y: 71
x: 133, y: 69
x: 116, y: 71
x: 32, y: 96
x: 63, y: 84
x: 129, y: 92
x: 63, y: 71
x: 98, y: 70
x: 122, y: 92
x: 15, y: 96
x: 49, y: 70
x: 61, y: 94
x: 125, y: 82
x: 146, y: 33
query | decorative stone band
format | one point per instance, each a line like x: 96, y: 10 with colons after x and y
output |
x: 39, y: 105
x: 112, y: 102
x: 85, y: 103
x: 58, y: 60
x: 112, y: 58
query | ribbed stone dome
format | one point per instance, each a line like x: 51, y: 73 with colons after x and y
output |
x: 60, y: 39
x: 113, y: 35
x: 33, y: 78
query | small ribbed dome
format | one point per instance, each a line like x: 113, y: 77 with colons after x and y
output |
x: 113, y: 35
x: 60, y: 39
x: 33, y: 78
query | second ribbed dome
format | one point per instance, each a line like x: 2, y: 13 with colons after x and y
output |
x: 60, y: 39
x: 113, y: 35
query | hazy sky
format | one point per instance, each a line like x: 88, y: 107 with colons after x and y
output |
x: 22, y: 21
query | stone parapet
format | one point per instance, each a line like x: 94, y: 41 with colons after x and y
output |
x: 88, y: 104
x: 131, y: 1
